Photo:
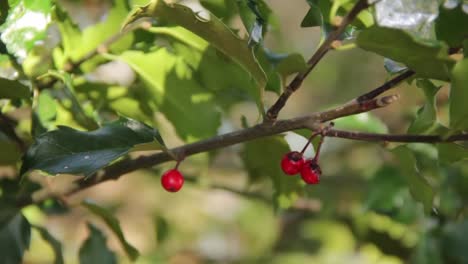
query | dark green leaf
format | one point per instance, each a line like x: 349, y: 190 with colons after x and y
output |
x: 15, y: 237
x: 214, y: 31
x: 450, y: 153
x: 415, y: 16
x: 417, y: 184
x: 393, y: 67
x: 224, y: 9
x: 9, y: 154
x: 459, y: 96
x: 259, y: 164
x: 385, y: 189
x: 426, y: 119
x: 4, y: 9
x: 313, y: 18
x: 95, y: 250
x: 54, y: 243
x: 428, y: 58
x: 13, y: 89
x: 113, y: 225
x: 66, y: 150
x: 448, y: 26
x: 454, y: 241
x: 255, y: 15
x: 162, y: 228
x: 427, y: 251
x: 172, y: 91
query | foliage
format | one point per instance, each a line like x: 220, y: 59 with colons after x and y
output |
x: 184, y: 75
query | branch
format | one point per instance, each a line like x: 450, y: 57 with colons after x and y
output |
x: 385, y: 87
x: 114, y: 171
x: 395, y: 138
x: 272, y: 113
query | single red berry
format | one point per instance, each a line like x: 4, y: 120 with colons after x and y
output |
x: 292, y: 162
x: 172, y: 180
x: 311, y: 172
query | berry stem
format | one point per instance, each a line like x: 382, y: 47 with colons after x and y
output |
x: 317, y: 153
x: 310, y: 140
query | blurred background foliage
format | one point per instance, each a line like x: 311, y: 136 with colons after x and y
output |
x: 237, y: 206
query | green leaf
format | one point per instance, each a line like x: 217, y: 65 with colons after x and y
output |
x: 12, y: 89
x: 224, y: 9
x: 44, y: 113
x: 9, y: 154
x: 172, y: 90
x: 262, y: 158
x: 427, y: 57
x: 76, y: 108
x: 4, y: 9
x: 453, y: 241
x: 214, y: 31
x: 365, y: 122
x: 95, y: 250
x: 255, y: 15
x: 25, y: 26
x: 426, y: 119
x: 67, y: 150
x: 427, y: 250
x: 76, y: 43
x: 54, y: 243
x: 385, y: 189
x: 162, y: 228
x: 459, y: 96
x: 446, y: 25
x: 414, y: 16
x: 450, y: 153
x: 113, y: 225
x: 417, y: 184
x: 15, y: 237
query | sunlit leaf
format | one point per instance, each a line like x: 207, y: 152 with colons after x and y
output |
x: 175, y: 93
x: 459, y: 96
x: 417, y: 184
x: 15, y: 237
x: 114, y: 225
x: 427, y: 57
x: 54, y: 243
x: 212, y: 30
x: 414, y: 16
x: 95, y: 250
x: 44, y: 114
x: 259, y: 164
x: 66, y: 150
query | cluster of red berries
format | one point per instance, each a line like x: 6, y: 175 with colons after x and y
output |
x: 172, y: 180
x: 294, y: 162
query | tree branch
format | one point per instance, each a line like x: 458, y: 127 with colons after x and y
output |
x: 120, y: 168
x: 272, y: 113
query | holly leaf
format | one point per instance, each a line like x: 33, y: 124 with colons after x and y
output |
x: 445, y: 29
x: 413, y: 16
x: 426, y: 119
x: 255, y: 14
x: 76, y: 42
x: 459, y: 96
x: 419, y: 187
x: 451, y: 152
x: 113, y: 225
x: 67, y: 150
x: 212, y: 30
x: 25, y: 25
x: 429, y: 58
x: 173, y: 91
x: 12, y: 89
x: 94, y: 249
x: 54, y: 243
x: 259, y: 164
x: 15, y: 237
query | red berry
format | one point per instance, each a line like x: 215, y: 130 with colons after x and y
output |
x: 311, y: 172
x: 292, y: 162
x: 172, y: 180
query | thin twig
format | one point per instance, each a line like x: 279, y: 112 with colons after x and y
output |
x: 404, y: 138
x: 386, y: 86
x: 272, y: 113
